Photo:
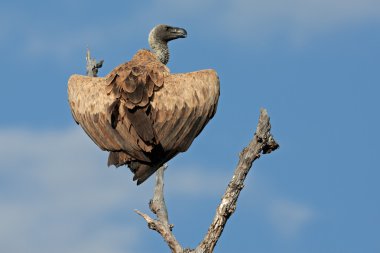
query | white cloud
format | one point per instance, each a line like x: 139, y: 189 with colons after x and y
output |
x: 196, y: 181
x: 299, y: 20
x: 35, y: 38
x: 242, y: 21
x: 289, y: 218
x: 57, y: 195
x: 248, y: 21
x: 63, y: 45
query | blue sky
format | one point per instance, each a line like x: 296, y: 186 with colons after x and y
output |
x: 314, y: 64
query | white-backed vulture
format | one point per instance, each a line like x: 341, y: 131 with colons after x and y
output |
x: 139, y: 112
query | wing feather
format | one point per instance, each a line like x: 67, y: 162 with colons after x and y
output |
x: 190, y: 100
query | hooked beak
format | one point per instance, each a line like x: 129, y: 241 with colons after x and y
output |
x: 177, y: 32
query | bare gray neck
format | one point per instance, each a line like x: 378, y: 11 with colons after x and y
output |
x: 160, y: 48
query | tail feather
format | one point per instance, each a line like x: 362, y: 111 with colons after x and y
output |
x: 118, y: 159
x: 142, y: 171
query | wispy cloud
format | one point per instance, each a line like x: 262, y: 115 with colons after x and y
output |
x: 57, y: 195
x: 256, y: 22
x: 297, y: 20
x: 57, y: 183
x: 63, y: 45
x: 240, y: 21
x: 34, y: 38
x: 195, y: 181
x: 289, y: 218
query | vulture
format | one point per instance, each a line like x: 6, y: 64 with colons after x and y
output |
x: 141, y: 113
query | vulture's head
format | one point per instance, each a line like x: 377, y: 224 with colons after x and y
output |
x: 165, y: 33
x: 159, y: 37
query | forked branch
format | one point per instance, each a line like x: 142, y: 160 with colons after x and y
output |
x: 158, y: 207
x: 262, y: 143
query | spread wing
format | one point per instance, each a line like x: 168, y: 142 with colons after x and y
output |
x: 114, y: 111
x: 90, y: 106
x: 183, y: 107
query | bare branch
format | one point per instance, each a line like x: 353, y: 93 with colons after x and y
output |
x: 92, y: 66
x: 261, y: 142
x: 157, y: 206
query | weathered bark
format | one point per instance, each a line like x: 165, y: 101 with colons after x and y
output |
x: 92, y: 67
x: 262, y: 142
x: 157, y: 206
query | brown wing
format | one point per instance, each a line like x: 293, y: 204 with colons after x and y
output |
x: 90, y: 105
x: 183, y: 107
x: 114, y: 111
x: 180, y: 111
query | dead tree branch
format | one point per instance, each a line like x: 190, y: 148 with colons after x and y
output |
x: 92, y: 67
x: 158, y: 207
x: 262, y: 142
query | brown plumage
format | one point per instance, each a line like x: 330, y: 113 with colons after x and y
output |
x: 143, y: 114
